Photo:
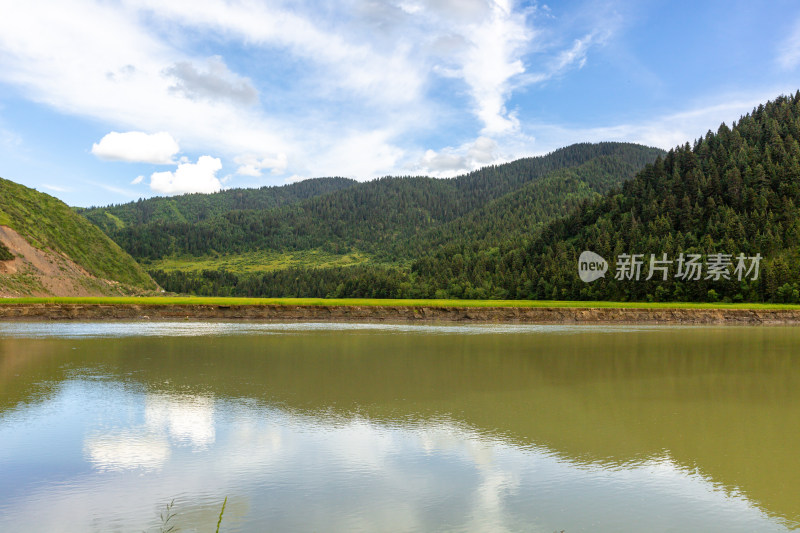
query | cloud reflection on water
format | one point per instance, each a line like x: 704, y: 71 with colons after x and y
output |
x: 170, y: 420
x: 302, y: 471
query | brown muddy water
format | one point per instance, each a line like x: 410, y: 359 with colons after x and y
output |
x: 377, y: 427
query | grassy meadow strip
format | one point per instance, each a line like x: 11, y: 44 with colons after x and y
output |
x: 201, y: 300
x: 257, y: 261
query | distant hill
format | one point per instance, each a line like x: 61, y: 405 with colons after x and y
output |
x: 48, y: 249
x: 194, y: 208
x: 517, y: 215
x: 376, y: 228
x: 384, y: 217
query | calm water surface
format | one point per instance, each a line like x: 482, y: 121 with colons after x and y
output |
x: 332, y: 427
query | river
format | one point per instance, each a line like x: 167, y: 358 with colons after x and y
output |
x: 380, y: 427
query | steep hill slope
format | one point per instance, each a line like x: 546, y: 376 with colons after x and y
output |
x: 48, y: 249
x: 736, y: 191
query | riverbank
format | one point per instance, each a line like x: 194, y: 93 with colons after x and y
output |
x: 404, y: 313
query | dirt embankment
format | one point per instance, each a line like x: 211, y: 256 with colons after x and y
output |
x: 401, y: 314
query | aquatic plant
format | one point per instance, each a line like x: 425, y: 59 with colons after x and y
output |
x: 222, y: 511
x: 167, y: 516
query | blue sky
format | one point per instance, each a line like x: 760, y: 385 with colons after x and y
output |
x: 108, y: 101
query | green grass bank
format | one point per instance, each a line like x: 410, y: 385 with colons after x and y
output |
x: 361, y: 302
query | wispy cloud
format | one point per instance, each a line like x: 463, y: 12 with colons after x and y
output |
x: 386, y: 75
x: 120, y: 191
x: 491, y: 61
x: 56, y: 188
x: 789, y: 51
x: 124, y: 84
x: 664, y: 131
x: 10, y: 139
x: 254, y: 166
x: 348, y: 93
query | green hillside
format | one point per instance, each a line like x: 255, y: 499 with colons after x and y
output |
x: 375, y: 217
x: 519, y: 214
x: 47, y: 223
x: 732, y: 192
x: 736, y: 191
x: 375, y: 229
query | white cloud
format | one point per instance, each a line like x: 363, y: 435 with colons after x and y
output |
x: 572, y: 56
x: 189, y: 177
x: 351, y: 65
x: 137, y: 180
x: 252, y: 165
x: 362, y: 82
x: 450, y: 161
x: 361, y: 156
x: 465, y: 10
x: 477, y: 42
x: 45, y: 49
x: 482, y: 151
x: 133, y: 195
x: 665, y: 131
x: 445, y: 160
x: 137, y: 147
x: 491, y: 62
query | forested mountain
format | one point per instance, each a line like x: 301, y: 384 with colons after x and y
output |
x: 383, y: 217
x: 396, y: 221
x: 47, y: 249
x: 730, y: 193
x: 736, y: 191
x: 519, y: 214
x: 193, y: 208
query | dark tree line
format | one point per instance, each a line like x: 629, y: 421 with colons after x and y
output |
x: 343, y: 282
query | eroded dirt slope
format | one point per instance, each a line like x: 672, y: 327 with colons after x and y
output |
x: 35, y: 272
